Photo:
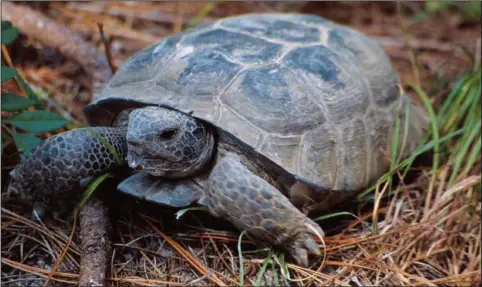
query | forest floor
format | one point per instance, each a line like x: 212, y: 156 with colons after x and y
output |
x: 422, y: 228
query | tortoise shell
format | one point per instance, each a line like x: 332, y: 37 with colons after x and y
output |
x: 316, y: 98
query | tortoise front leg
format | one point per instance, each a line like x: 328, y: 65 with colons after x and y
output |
x: 252, y: 204
x: 174, y: 193
x: 61, y: 163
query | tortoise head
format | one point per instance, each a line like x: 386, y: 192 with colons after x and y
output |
x: 167, y: 143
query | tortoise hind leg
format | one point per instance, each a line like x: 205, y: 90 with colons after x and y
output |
x: 252, y: 204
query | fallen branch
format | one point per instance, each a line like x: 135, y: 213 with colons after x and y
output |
x: 96, y: 247
x: 154, y: 14
x: 418, y: 44
x: 69, y: 43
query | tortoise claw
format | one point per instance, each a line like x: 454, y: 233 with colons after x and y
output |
x: 300, y: 255
x: 304, y: 244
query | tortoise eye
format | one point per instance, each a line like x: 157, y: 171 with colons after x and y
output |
x: 168, y: 134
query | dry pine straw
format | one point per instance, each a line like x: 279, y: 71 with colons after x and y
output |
x: 437, y: 245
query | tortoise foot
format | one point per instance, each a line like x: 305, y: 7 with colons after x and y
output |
x: 252, y: 204
x: 303, y: 243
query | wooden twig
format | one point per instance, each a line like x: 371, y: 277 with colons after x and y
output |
x: 108, y: 53
x: 96, y: 247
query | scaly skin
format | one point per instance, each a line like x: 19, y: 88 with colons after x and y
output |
x: 167, y: 143
x: 175, y: 193
x: 171, y: 144
x: 252, y: 204
x: 61, y: 162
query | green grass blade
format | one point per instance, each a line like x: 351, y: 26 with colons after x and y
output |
x: 107, y: 144
x: 183, y: 211
x: 462, y: 153
x: 30, y: 93
x: 285, y: 272
x: 461, y: 104
x: 91, y: 189
x: 406, y: 127
x: 467, y: 107
x: 275, y: 274
x: 473, y: 156
x: 452, y: 96
x: 331, y: 215
x: 434, y: 130
x: 394, y: 147
x: 422, y: 149
x: 240, y: 254
x: 408, y: 166
x: 469, y: 116
x: 435, y: 135
x: 263, y: 268
x: 450, y: 108
x: 395, y: 141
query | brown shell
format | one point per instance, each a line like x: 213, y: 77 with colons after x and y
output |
x: 318, y: 99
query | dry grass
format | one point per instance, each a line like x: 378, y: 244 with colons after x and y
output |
x: 438, y: 245
x: 424, y: 230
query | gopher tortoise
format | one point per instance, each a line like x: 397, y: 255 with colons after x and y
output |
x: 236, y: 115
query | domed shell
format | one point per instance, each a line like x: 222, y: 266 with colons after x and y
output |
x: 316, y: 98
